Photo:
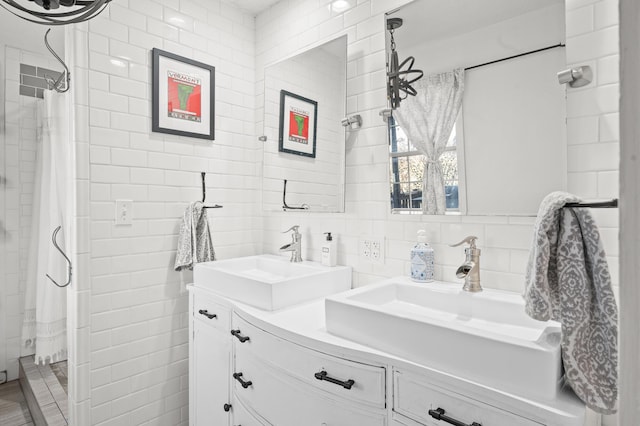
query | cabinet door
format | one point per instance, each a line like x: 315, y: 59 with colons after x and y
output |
x: 212, y: 361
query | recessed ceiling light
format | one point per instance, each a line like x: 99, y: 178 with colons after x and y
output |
x: 340, y: 5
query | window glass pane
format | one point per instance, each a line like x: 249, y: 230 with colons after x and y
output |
x: 416, y: 195
x: 449, y: 163
x: 403, y: 169
x: 416, y: 168
x: 452, y: 138
x: 402, y: 140
x: 407, y: 170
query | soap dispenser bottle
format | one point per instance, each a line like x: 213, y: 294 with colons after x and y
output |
x: 422, y: 260
x: 329, y: 256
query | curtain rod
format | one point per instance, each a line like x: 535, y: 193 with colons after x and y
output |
x: 515, y: 56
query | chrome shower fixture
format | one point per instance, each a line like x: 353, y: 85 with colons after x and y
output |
x: 576, y: 77
x: 399, y: 79
x: 67, y: 11
x: 354, y: 122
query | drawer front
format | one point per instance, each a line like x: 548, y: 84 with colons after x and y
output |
x: 286, y: 401
x: 242, y: 416
x: 414, y: 398
x: 324, y: 372
x: 205, y: 309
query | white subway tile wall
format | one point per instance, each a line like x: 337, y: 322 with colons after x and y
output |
x: 129, y: 360
x: 131, y: 341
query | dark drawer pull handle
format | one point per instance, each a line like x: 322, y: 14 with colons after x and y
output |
x: 207, y: 314
x: 438, y: 414
x: 239, y: 336
x: 322, y: 375
x: 238, y: 377
x: 227, y: 407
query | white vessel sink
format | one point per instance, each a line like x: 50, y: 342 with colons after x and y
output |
x: 484, y: 337
x: 271, y: 282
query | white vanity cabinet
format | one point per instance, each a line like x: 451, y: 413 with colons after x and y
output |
x: 250, y: 367
x: 210, y: 356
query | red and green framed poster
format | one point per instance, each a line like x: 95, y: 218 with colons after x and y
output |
x: 298, y: 120
x: 183, y: 96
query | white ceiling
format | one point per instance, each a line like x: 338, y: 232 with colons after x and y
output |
x: 253, y: 6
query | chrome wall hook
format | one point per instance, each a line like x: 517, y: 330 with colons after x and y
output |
x: 69, y: 267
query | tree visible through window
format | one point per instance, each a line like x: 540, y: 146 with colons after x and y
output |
x: 407, y: 166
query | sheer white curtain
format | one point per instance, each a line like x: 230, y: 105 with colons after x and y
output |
x: 44, y: 330
x: 428, y: 119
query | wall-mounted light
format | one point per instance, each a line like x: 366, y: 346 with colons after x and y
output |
x: 385, y: 114
x: 576, y: 77
x: 39, y: 11
x: 354, y: 122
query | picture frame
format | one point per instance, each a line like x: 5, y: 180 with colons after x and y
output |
x: 298, y: 124
x: 183, y: 96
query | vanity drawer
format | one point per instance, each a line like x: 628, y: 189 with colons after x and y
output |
x: 321, y: 371
x: 413, y: 397
x: 242, y: 416
x: 208, y: 311
x: 284, y: 400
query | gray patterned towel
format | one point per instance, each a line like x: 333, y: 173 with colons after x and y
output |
x: 194, y: 240
x: 568, y: 281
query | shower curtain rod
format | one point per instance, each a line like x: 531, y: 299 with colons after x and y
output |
x: 515, y: 56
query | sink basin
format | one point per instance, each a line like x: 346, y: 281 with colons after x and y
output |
x: 271, y: 282
x: 484, y: 337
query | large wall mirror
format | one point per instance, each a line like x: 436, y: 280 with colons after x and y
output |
x: 496, y: 126
x: 304, y: 150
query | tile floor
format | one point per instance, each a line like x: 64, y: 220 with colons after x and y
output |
x: 13, y: 406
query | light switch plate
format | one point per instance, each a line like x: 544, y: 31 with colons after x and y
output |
x: 124, y: 212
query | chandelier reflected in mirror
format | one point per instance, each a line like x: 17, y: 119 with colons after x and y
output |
x: 55, y: 12
x: 400, y: 75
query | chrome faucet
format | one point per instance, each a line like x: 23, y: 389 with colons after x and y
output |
x: 295, y: 246
x: 470, y: 269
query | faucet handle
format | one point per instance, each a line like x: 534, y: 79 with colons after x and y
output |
x: 471, y: 240
x: 294, y: 228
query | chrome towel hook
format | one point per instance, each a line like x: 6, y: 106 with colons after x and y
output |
x: 57, y: 84
x: 69, y: 268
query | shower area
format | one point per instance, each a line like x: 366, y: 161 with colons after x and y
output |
x: 35, y: 227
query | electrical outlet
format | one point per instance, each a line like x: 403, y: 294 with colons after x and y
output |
x: 372, y: 249
x: 376, y: 250
x: 124, y: 212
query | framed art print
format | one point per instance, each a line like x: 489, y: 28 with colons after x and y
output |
x: 183, y: 96
x: 298, y: 120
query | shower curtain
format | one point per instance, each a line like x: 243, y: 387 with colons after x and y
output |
x: 44, y: 330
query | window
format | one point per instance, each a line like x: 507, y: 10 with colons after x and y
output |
x: 407, y: 166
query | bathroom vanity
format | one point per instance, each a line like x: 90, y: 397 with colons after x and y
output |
x: 253, y: 366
